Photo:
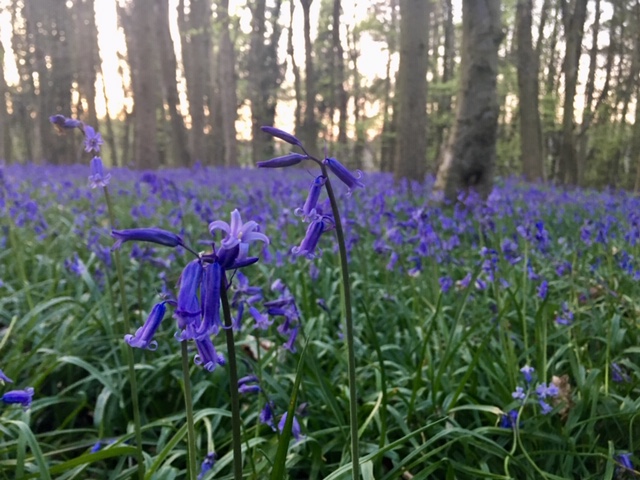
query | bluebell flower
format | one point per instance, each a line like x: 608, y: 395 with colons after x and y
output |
x: 98, y: 178
x: 624, y: 459
x: 19, y: 397
x: 349, y: 179
x: 238, y: 234
x: 282, y: 135
x: 545, y: 407
x: 618, y: 375
x: 295, y: 427
x: 207, y: 355
x: 4, y: 378
x: 62, y: 122
x: 153, y: 235
x: 284, y: 161
x: 308, y: 211
x: 188, y: 309
x: 249, y: 384
x: 290, y: 343
x: 527, y: 371
x: 310, y: 241
x: 446, y: 283
x: 509, y: 420
x: 519, y: 394
x: 207, y: 464
x: 262, y: 320
x: 92, y: 139
x: 96, y: 447
x: 566, y: 317
x: 543, y: 289
x: 210, y: 298
x: 143, y: 337
x: 266, y: 415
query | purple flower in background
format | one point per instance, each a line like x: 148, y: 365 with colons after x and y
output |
x: 19, y: 397
x: 266, y: 415
x: 295, y: 427
x: 509, y: 420
x: 143, y: 337
x: 4, y: 378
x: 624, y: 459
x: 98, y: 178
x: 545, y: 407
x: 153, y: 235
x: 527, y: 371
x: 310, y: 241
x: 62, y: 122
x: 519, y: 394
x: 308, y: 211
x: 618, y: 375
x: 290, y: 343
x: 446, y: 283
x: 543, y: 288
x: 262, y: 320
x: 282, y: 135
x: 207, y: 464
x: 249, y: 384
x: 566, y: 316
x: 207, y: 355
x: 92, y: 139
x: 349, y: 179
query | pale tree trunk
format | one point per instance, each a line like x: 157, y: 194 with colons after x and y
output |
x: 168, y: 64
x: 388, y: 135
x: 110, y: 137
x: 310, y: 125
x: 444, y: 101
x: 297, y: 83
x: 4, y: 114
x: 469, y: 157
x: 227, y: 85
x: 528, y: 90
x: 574, y: 14
x: 358, y: 104
x: 341, y: 92
x: 87, y: 59
x: 411, y: 149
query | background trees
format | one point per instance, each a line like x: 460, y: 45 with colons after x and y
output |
x: 382, y: 82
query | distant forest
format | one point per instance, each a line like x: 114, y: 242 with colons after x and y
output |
x: 543, y: 89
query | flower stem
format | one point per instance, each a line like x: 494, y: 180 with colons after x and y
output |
x: 236, y: 435
x: 128, y: 352
x: 349, y: 337
x: 191, y: 433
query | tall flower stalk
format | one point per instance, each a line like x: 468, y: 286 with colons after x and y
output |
x: 319, y: 223
x: 98, y: 178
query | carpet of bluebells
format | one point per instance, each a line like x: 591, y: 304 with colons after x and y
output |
x: 494, y: 340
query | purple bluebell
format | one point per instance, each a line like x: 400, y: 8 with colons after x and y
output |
x: 143, y: 337
x: 284, y: 161
x: 92, y: 139
x: 98, y: 178
x: 349, y: 179
x: 262, y: 320
x: 249, y: 384
x: 4, y: 378
x: 96, y: 447
x: 62, y: 122
x: 519, y: 394
x: 295, y: 427
x: 19, y: 397
x: 618, y: 375
x: 509, y: 420
x: 207, y: 464
x: 238, y: 234
x: 308, y: 211
x: 545, y: 407
x: 310, y: 241
x: 393, y: 259
x: 290, y: 344
x: 188, y: 309
x: 624, y: 459
x: 266, y: 416
x: 210, y: 299
x: 446, y: 283
x: 543, y: 289
x: 527, y: 371
x: 153, y: 235
x: 207, y: 355
x: 282, y: 135
x: 566, y: 316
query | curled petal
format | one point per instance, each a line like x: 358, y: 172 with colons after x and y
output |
x: 282, y: 135
x: 143, y: 337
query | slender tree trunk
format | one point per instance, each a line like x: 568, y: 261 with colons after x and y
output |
x: 389, y: 119
x: 310, y: 125
x: 444, y: 100
x: 4, y: 114
x: 297, y: 82
x: 168, y: 64
x: 87, y: 59
x: 341, y: 92
x: 358, y: 105
x: 573, y: 17
x: 528, y: 91
x: 469, y: 158
x: 411, y: 149
x: 227, y: 84
x: 110, y: 138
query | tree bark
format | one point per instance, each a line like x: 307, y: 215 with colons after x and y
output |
x: 469, y: 158
x: 573, y: 17
x: 227, y: 85
x: 310, y: 125
x: 411, y: 149
x: 528, y: 91
x: 341, y: 92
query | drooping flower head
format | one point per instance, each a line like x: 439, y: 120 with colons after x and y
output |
x: 153, y: 235
x: 63, y: 123
x: 98, y: 178
x: 4, y: 378
x: 143, y: 337
x: 19, y: 397
x: 238, y: 236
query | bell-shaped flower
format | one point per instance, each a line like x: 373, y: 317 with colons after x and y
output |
x: 153, y: 235
x: 62, y: 122
x: 349, y: 179
x: 262, y: 320
x: 308, y: 211
x: 310, y: 241
x: 92, y: 139
x: 98, y: 178
x: 207, y: 355
x: 295, y: 427
x: 143, y: 337
x: 188, y: 309
x: 4, y: 378
x: 237, y: 233
x: 19, y: 397
x: 284, y: 161
x: 210, y: 299
x: 282, y: 135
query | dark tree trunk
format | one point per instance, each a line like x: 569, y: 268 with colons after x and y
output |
x: 310, y: 125
x: 528, y: 91
x: 297, y: 82
x: 388, y: 135
x: 227, y: 85
x: 444, y: 100
x: 573, y: 17
x: 340, y: 91
x: 87, y: 59
x: 468, y: 160
x: 411, y: 149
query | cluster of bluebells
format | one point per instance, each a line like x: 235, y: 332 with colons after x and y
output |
x: 316, y: 214
x: 197, y: 306
x: 92, y: 143
x: 541, y: 394
x: 16, y: 397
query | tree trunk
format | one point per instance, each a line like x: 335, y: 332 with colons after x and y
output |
x: 227, y: 85
x: 87, y: 59
x: 341, y: 93
x: 469, y: 158
x: 528, y: 91
x: 411, y: 149
x: 4, y: 114
x: 573, y: 17
x: 309, y: 126
x: 444, y: 100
